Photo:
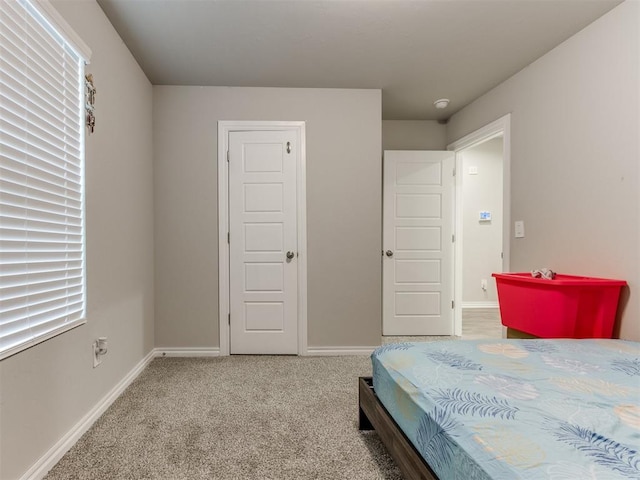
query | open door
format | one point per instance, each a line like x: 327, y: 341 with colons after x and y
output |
x: 418, y: 243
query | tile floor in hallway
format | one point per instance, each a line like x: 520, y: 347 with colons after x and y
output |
x: 481, y: 323
x: 477, y: 323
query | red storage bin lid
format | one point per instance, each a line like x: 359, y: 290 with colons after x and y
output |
x: 567, y: 280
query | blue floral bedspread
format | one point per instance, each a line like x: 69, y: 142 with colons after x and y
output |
x: 508, y: 409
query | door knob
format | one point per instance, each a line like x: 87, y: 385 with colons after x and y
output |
x: 290, y: 255
x: 389, y: 253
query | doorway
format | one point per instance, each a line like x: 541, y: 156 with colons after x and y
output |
x: 482, y: 225
x: 262, y: 237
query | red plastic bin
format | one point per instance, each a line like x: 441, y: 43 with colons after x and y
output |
x: 566, y: 307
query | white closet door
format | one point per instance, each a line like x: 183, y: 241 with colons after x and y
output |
x: 263, y: 263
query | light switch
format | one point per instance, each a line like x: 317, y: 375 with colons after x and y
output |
x: 519, y: 230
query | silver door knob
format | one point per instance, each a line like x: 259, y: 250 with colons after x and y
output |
x: 290, y: 255
x: 389, y: 253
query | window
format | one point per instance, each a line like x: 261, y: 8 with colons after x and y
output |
x: 42, y: 233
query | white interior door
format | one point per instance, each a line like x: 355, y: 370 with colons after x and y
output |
x: 263, y: 278
x: 418, y: 243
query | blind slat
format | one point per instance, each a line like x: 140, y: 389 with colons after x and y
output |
x: 33, y: 145
x: 35, y: 177
x: 26, y: 95
x: 22, y: 104
x: 10, y: 213
x: 32, y: 241
x: 51, y: 315
x: 14, y: 307
x: 52, y: 182
x: 35, y: 205
x: 55, y: 146
x: 52, y: 53
x: 29, y: 92
x: 39, y: 194
x: 16, y: 274
x: 20, y: 277
x: 48, y: 320
x: 37, y: 287
x: 22, y: 222
x: 21, y: 153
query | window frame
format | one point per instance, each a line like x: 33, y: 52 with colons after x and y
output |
x: 50, y: 26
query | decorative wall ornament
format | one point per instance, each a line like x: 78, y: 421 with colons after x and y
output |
x: 90, y: 100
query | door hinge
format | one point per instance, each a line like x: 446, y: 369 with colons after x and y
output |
x: 229, y: 319
x: 453, y: 304
x: 228, y: 237
x: 453, y: 238
x: 454, y: 171
x: 227, y: 155
x: 501, y: 254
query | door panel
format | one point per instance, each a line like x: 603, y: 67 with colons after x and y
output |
x: 262, y: 225
x: 417, y: 271
x: 417, y: 230
x: 417, y: 303
x: 418, y: 206
x: 263, y: 237
x: 264, y: 316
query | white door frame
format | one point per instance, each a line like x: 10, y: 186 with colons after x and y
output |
x: 501, y: 126
x: 224, y: 127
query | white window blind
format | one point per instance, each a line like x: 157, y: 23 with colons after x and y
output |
x: 42, y: 264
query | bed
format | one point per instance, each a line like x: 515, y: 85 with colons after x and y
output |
x: 507, y: 409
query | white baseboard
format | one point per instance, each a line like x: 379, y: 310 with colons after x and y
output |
x: 488, y: 304
x: 337, y: 351
x: 187, y: 352
x: 55, y: 453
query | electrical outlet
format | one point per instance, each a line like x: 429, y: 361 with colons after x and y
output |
x: 483, y: 284
x: 99, y: 349
x: 97, y: 359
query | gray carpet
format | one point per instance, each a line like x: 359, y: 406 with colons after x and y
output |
x: 237, y: 417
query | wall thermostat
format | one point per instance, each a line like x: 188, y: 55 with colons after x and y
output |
x: 485, y: 216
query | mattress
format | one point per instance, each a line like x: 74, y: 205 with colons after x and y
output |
x: 509, y: 409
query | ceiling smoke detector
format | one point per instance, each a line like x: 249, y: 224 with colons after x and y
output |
x: 441, y: 103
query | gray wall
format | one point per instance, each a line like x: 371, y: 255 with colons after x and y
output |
x: 344, y: 178
x: 481, y: 241
x: 575, y: 152
x: 575, y: 182
x: 47, y: 389
x: 413, y: 135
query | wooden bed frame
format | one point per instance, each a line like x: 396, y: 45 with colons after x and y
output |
x: 373, y: 416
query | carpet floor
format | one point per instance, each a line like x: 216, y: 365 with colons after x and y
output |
x: 239, y: 417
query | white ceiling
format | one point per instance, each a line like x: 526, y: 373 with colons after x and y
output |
x: 415, y: 51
